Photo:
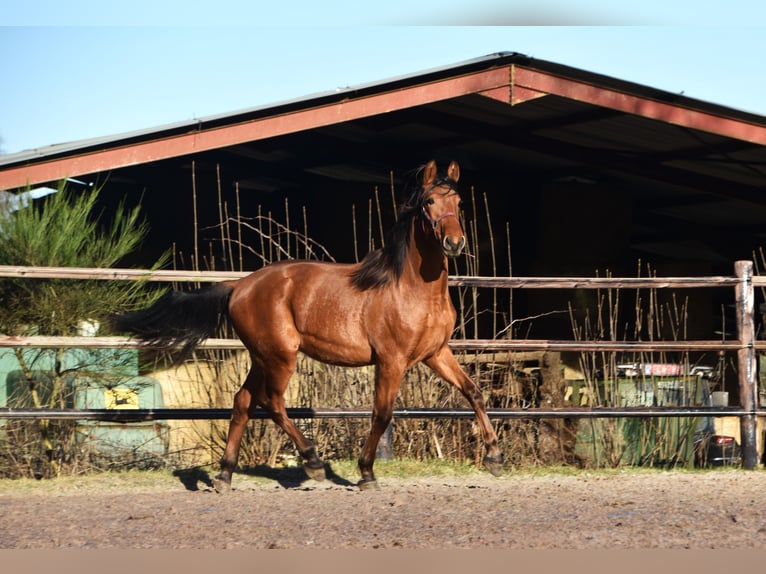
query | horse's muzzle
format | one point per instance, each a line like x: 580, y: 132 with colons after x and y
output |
x: 453, y: 248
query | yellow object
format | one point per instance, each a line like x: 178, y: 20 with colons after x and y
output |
x: 120, y: 398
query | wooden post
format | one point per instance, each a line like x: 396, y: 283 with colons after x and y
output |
x: 746, y: 362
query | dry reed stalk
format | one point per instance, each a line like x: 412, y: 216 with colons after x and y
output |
x: 262, y: 251
x: 195, y: 265
x: 239, y: 227
x: 370, y: 239
x: 221, y: 219
x: 287, y: 226
x: 354, y: 235
x: 491, y: 235
x: 392, y: 187
x: 381, y: 233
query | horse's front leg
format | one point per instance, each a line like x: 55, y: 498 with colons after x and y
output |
x: 445, y: 364
x: 387, y: 382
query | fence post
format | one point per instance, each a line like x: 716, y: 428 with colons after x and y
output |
x: 746, y: 362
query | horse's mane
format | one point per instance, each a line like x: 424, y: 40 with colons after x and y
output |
x: 385, y: 265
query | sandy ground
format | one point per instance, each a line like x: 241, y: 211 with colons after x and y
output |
x: 577, y: 510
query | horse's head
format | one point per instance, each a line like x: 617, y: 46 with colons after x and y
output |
x: 441, y: 207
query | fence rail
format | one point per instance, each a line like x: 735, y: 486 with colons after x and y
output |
x: 140, y: 415
x: 745, y: 345
x: 455, y: 344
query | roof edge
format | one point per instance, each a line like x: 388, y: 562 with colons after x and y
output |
x: 247, y: 114
x: 483, y: 63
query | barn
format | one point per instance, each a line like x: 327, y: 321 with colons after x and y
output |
x: 582, y: 173
x: 567, y: 173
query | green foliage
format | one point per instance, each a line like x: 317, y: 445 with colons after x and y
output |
x: 66, y: 230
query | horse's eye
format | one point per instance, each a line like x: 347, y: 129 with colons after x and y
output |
x: 460, y: 204
x: 430, y: 201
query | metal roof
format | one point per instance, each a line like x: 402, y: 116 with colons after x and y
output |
x: 692, y: 172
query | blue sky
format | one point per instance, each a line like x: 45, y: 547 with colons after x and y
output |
x: 80, y: 69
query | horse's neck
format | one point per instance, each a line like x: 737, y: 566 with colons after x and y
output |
x: 426, y: 267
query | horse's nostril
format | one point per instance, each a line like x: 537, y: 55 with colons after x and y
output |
x: 453, y: 247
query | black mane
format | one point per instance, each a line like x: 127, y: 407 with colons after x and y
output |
x: 385, y: 265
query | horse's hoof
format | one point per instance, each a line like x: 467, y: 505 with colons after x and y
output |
x: 368, y: 484
x: 317, y: 473
x: 221, y: 485
x: 494, y: 464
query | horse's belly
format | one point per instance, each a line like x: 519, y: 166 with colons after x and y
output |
x: 345, y: 351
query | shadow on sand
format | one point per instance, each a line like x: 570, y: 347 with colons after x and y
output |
x: 287, y: 477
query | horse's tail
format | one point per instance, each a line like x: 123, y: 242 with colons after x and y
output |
x: 179, y: 320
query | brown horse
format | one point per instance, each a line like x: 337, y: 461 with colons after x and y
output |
x: 392, y: 310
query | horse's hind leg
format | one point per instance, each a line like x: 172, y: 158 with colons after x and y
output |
x: 312, y: 464
x: 273, y: 401
x: 243, y: 402
x: 267, y: 391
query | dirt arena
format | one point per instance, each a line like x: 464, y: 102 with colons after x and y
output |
x: 567, y: 510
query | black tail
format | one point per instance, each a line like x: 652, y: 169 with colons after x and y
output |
x: 179, y: 320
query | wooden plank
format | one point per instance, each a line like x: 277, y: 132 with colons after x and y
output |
x: 454, y: 280
x: 87, y: 273
x: 45, y: 342
x: 593, y: 282
x: 591, y: 346
x: 49, y: 342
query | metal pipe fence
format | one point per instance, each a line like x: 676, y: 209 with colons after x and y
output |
x: 745, y: 345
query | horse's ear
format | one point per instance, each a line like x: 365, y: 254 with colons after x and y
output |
x: 429, y: 173
x: 453, y: 171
